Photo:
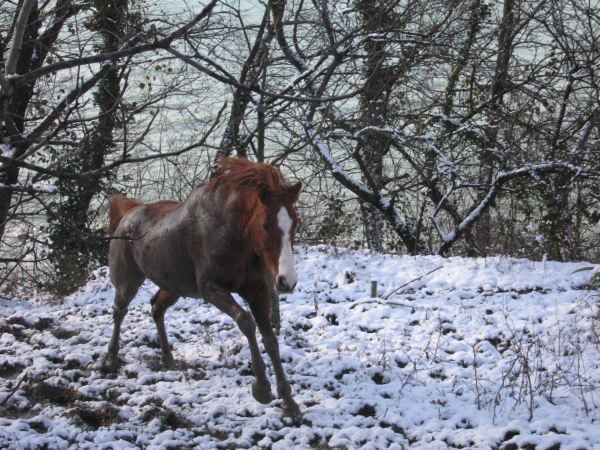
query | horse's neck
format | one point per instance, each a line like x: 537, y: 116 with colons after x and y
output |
x: 225, y: 213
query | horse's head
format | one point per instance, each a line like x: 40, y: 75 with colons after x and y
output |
x: 267, y: 203
x: 277, y: 229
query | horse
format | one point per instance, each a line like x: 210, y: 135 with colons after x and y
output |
x: 224, y: 238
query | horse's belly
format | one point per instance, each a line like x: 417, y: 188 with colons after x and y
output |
x: 167, y: 267
x: 175, y: 283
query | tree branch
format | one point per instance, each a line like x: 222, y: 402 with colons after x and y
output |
x: 501, y: 178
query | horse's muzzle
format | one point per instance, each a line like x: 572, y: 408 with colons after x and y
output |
x: 283, y: 286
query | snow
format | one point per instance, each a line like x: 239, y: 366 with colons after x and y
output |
x: 42, y: 188
x: 300, y: 76
x: 436, y: 364
x: 301, y: 61
x: 6, y: 150
x: 394, y: 133
x: 582, y: 138
x: 256, y: 98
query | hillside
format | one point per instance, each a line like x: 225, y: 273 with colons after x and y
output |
x: 495, y: 353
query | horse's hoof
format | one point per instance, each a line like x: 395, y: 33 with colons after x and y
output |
x: 292, y: 411
x: 262, y: 392
x: 110, y: 364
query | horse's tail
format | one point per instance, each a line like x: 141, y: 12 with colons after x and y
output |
x: 119, y: 205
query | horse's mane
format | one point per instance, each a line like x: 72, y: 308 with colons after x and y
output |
x: 250, y: 182
x: 240, y: 174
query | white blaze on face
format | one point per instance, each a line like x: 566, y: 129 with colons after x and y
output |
x: 286, y: 257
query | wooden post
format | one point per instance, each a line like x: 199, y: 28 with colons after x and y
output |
x: 373, y: 288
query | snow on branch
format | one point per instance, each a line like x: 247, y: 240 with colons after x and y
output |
x: 6, y: 150
x: 530, y: 170
x: 383, y: 204
x: 584, y: 134
x: 339, y: 174
x: 399, y: 136
x: 368, y: 194
x: 30, y: 188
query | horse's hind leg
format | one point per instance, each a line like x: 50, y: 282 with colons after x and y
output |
x: 160, y: 302
x: 127, y: 279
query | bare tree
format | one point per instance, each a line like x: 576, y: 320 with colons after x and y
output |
x: 39, y: 117
x: 416, y: 126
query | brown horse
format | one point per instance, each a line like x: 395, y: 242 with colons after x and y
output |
x: 223, y: 238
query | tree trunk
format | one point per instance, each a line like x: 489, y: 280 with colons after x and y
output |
x: 379, y: 80
x: 557, y: 227
x: 260, y: 157
x: 14, y: 104
x: 75, y: 245
x: 487, y: 158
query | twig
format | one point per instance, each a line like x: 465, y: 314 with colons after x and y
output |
x: 379, y: 301
x: 478, y: 394
x: 387, y: 296
x: 393, y: 291
x: 23, y: 377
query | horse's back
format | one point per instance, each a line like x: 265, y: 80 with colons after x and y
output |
x: 129, y: 222
x: 177, y: 244
x: 156, y: 245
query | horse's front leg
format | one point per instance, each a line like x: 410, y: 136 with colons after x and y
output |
x: 222, y: 299
x: 258, y: 299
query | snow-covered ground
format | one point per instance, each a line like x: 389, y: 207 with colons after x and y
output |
x: 495, y: 353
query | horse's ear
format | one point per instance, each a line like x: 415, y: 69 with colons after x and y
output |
x: 294, y: 191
